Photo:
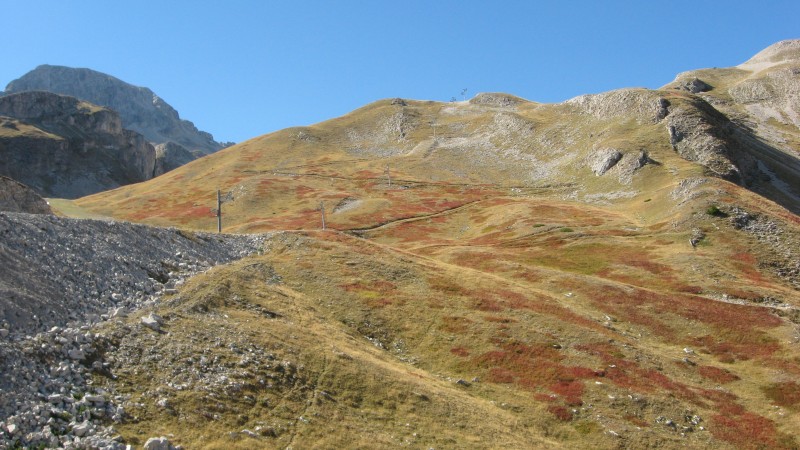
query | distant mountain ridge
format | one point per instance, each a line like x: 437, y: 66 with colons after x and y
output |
x: 140, y: 109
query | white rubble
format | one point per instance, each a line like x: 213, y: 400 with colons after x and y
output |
x: 60, y: 279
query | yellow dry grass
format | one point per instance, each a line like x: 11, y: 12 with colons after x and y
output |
x: 571, y: 306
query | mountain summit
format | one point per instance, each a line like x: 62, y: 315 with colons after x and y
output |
x: 140, y: 108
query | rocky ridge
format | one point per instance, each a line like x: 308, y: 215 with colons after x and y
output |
x: 140, y: 108
x: 752, y: 119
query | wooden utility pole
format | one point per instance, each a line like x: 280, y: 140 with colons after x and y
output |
x: 322, y: 210
x: 219, y: 212
x: 220, y: 201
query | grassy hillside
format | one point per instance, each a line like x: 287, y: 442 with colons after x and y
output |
x: 328, y: 340
x: 619, y: 270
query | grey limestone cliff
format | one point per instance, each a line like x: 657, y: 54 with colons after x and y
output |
x: 170, y: 156
x: 140, y: 108
x: 63, y: 147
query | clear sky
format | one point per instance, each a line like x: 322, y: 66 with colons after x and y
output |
x: 239, y: 69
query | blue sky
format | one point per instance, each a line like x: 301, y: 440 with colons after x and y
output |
x: 239, y: 69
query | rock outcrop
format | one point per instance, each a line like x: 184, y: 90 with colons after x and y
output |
x: 699, y: 133
x: 170, y: 156
x: 646, y: 106
x: 63, y: 147
x: 746, y: 126
x: 16, y: 197
x: 141, y: 110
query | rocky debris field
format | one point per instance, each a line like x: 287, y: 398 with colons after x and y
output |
x: 783, y: 259
x: 57, y: 270
x: 60, y: 278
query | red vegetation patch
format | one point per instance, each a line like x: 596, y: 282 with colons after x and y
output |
x: 642, y: 263
x: 542, y: 397
x: 366, y: 174
x: 744, y: 346
x: 383, y: 287
x: 447, y: 286
x: 720, y: 397
x: 536, y: 367
x: 716, y: 374
x: 786, y: 393
x: 561, y: 413
x: 748, y: 431
x: 627, y: 374
x: 744, y: 258
x: 500, y: 299
x: 459, y: 351
x: 500, y: 375
x: 487, y: 304
x: 571, y: 391
x: 738, y: 329
x: 302, y: 192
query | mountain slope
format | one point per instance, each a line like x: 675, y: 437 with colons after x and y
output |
x: 620, y: 270
x: 141, y: 110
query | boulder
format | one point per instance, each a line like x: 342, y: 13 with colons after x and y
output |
x: 693, y: 85
x: 159, y: 443
x: 604, y: 159
x: 152, y: 321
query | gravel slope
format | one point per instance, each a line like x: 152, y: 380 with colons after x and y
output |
x: 57, y: 270
x: 58, y: 278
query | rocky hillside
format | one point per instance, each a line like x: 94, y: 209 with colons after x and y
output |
x: 16, y: 197
x: 61, y: 276
x: 64, y: 147
x: 753, y: 119
x: 141, y: 110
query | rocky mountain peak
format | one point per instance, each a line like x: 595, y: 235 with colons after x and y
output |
x: 140, y: 109
x: 778, y: 53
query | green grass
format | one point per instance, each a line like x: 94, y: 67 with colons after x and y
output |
x: 68, y: 208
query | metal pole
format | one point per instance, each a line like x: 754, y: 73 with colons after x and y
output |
x: 322, y: 209
x: 219, y: 212
x: 389, y: 175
